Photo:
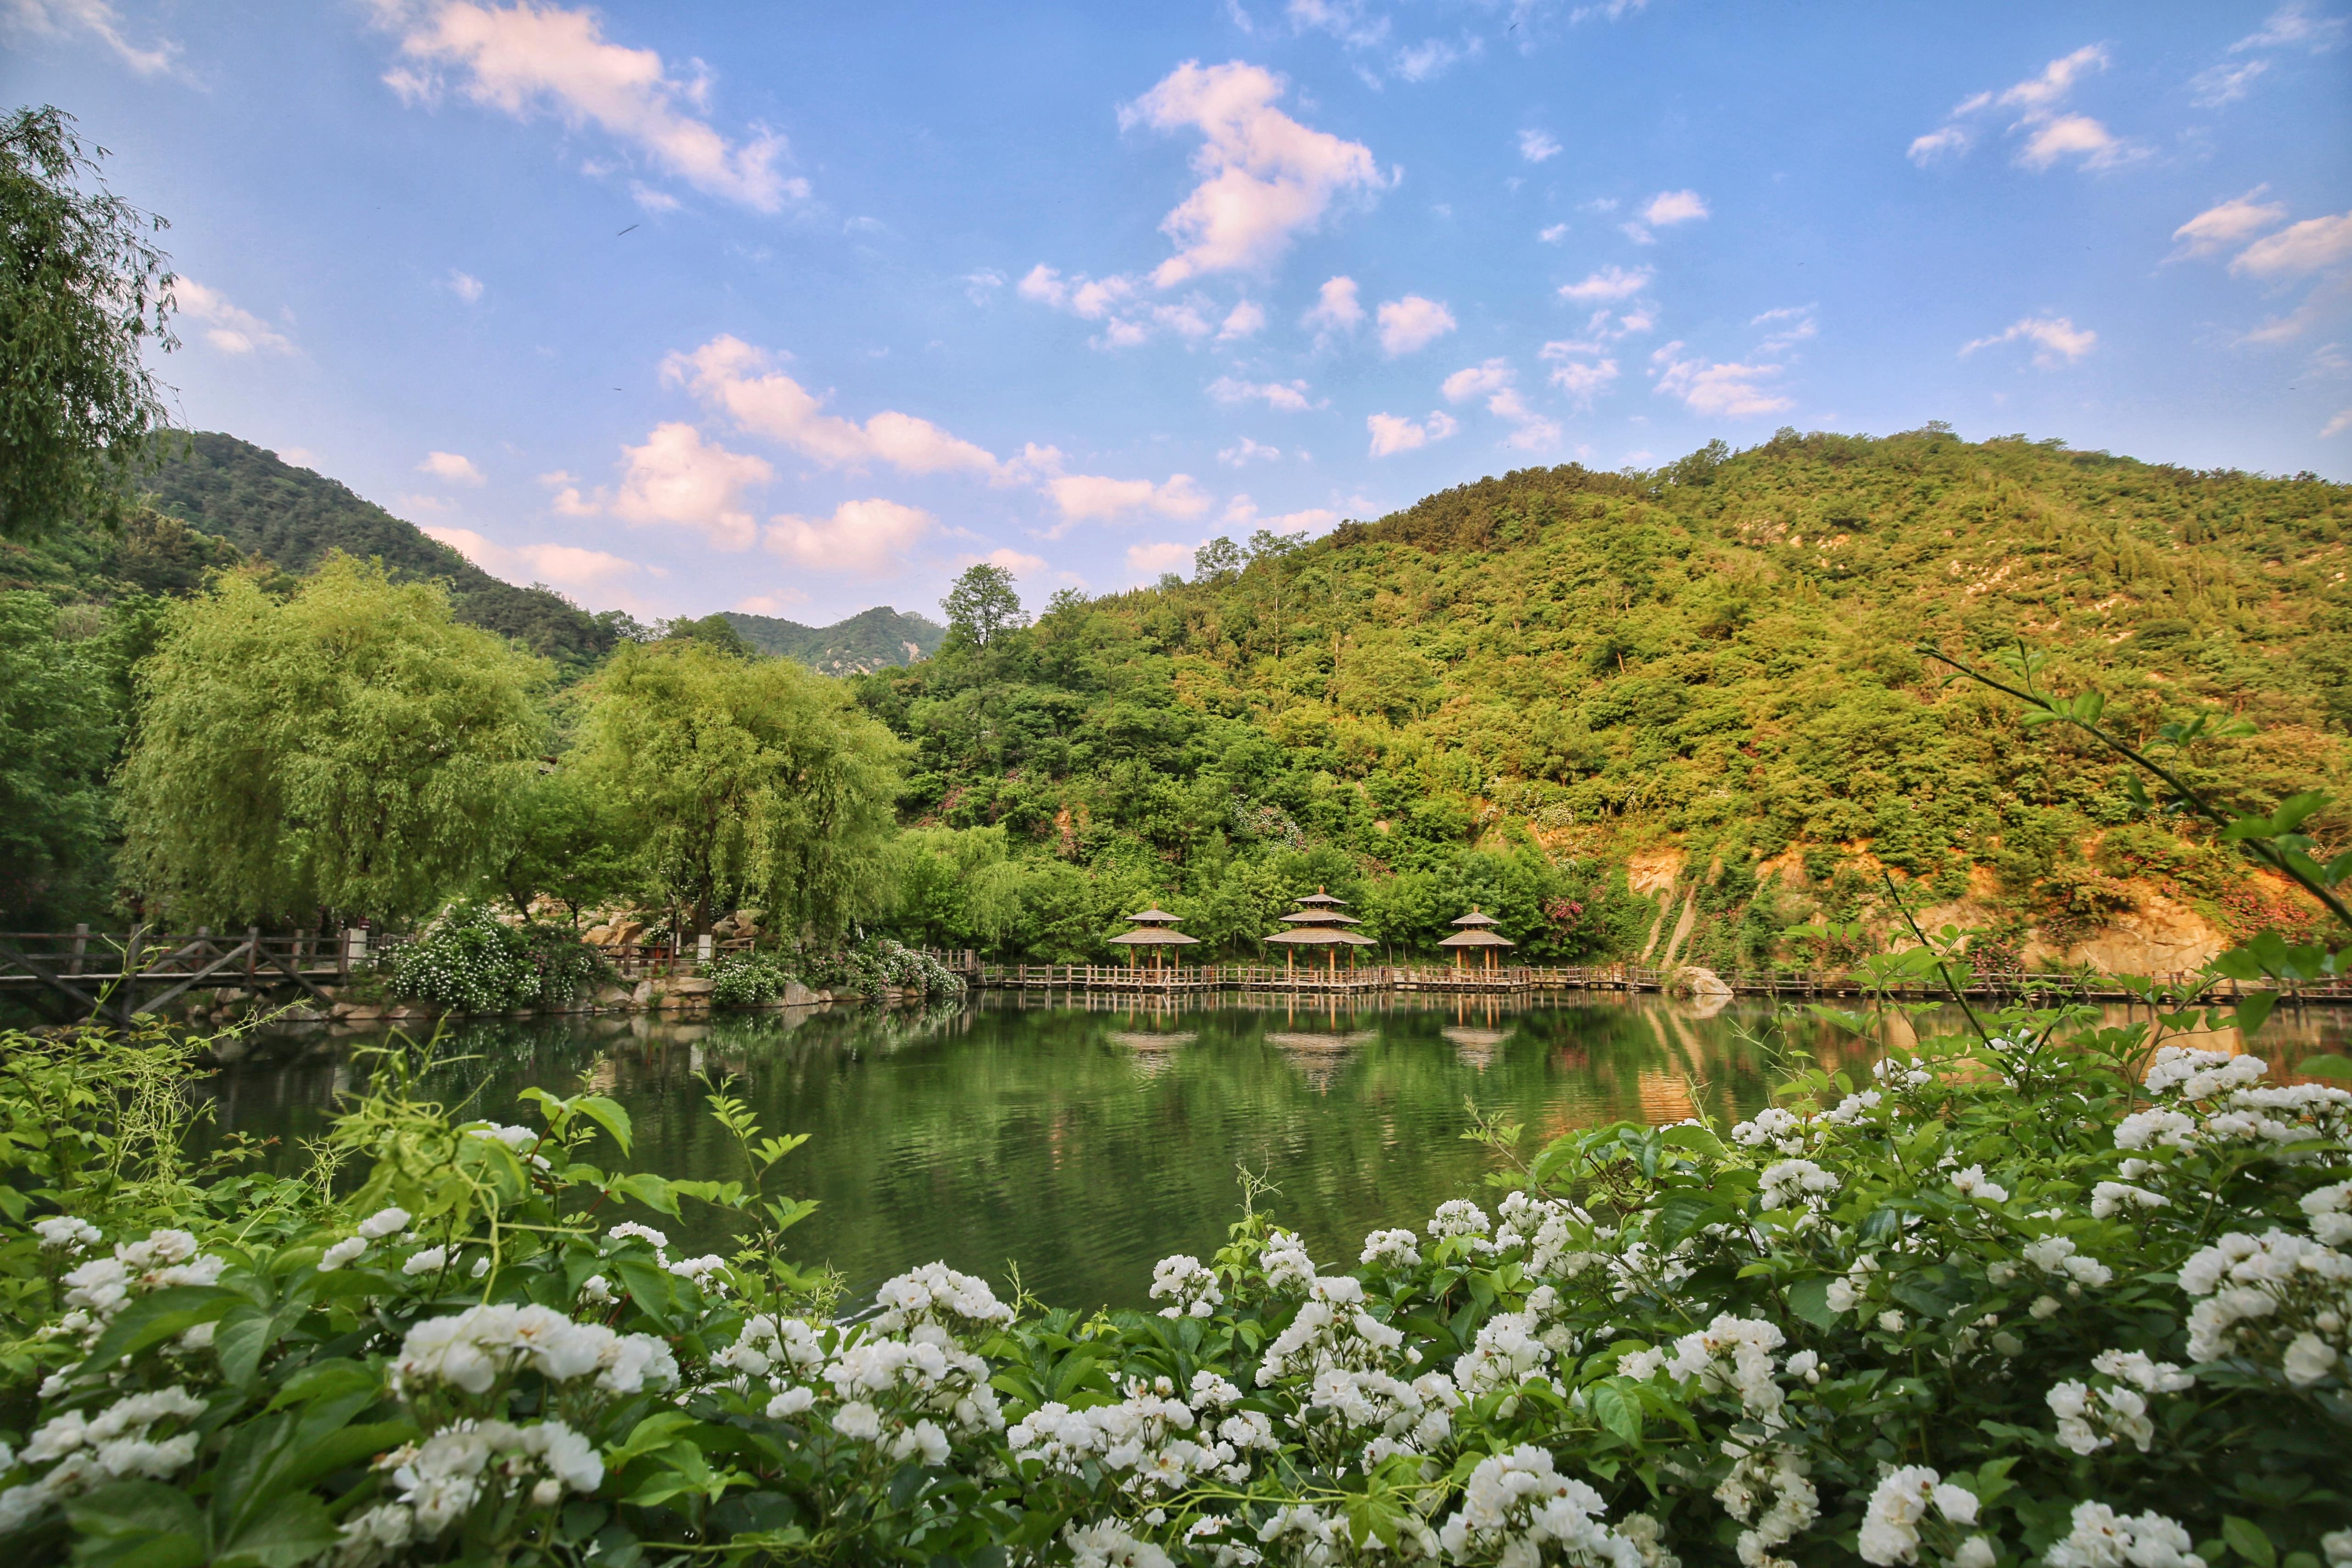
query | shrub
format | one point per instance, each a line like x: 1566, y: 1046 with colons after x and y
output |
x: 748, y: 979
x: 470, y: 960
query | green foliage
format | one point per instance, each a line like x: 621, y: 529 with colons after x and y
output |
x: 470, y: 960
x: 350, y: 748
x: 741, y: 783
x: 58, y: 738
x: 565, y: 842
x: 748, y: 979
x: 295, y: 519
x: 982, y: 605
x: 83, y: 290
x: 1718, y: 657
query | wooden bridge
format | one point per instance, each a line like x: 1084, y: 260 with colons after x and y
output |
x: 113, y: 977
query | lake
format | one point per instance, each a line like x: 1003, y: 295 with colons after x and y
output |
x: 1084, y: 1143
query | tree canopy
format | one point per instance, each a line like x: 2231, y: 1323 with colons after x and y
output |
x: 982, y: 605
x: 352, y: 748
x: 83, y: 290
x: 742, y: 782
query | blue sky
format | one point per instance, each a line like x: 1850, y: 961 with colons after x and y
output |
x: 690, y: 306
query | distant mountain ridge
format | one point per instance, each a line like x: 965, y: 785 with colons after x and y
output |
x: 292, y: 517
x: 870, y: 640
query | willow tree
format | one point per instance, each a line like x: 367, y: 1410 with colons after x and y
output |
x: 744, y: 781
x: 350, y: 748
x: 84, y: 292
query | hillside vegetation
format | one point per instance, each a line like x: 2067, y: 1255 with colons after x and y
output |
x: 1519, y: 690
x: 867, y: 641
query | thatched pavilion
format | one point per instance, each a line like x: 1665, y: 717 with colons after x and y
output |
x: 1154, y: 929
x: 1319, y: 920
x: 1477, y: 930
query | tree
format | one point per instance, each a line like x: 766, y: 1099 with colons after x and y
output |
x: 82, y: 290
x: 982, y: 605
x: 566, y: 844
x: 350, y: 748
x: 57, y: 733
x: 743, y: 781
x: 1217, y: 560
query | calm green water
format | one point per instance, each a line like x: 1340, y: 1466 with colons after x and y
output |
x: 1082, y: 1143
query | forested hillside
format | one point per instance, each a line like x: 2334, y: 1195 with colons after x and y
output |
x: 293, y: 517
x: 1545, y: 690
x: 867, y: 641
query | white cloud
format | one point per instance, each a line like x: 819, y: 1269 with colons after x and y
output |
x: 1670, y: 207
x: 1018, y: 562
x: 55, y: 18
x: 1242, y: 512
x: 1607, y: 11
x: 1553, y: 235
x: 1128, y: 320
x: 1534, y: 146
x: 774, y: 603
x: 1147, y: 562
x: 519, y: 57
x: 652, y: 199
x: 1290, y: 398
x: 1392, y: 434
x: 2224, y: 83
x: 1265, y: 176
x: 1609, y: 283
x: 450, y: 469
x: 2326, y: 302
x: 463, y: 285
x: 1531, y: 431
x: 300, y: 456
x: 1245, y: 320
x: 566, y: 566
x: 2338, y: 426
x: 866, y: 538
x: 227, y: 328
x: 2293, y: 26
x: 1090, y: 498
x: 1336, y: 307
x: 2056, y: 340
x: 1413, y: 324
x: 732, y: 376
x: 1477, y: 380
x: 1581, y: 379
x: 2039, y: 102
x: 1790, y: 324
x: 1431, y: 56
x: 1950, y: 140
x: 1240, y: 455
x: 1728, y: 390
x: 2307, y: 246
x: 2220, y: 226
x: 678, y: 478
x: 980, y: 287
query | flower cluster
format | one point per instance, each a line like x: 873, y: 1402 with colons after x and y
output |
x: 438, y: 1482
x: 1517, y: 1508
x: 474, y: 1349
x: 2102, y: 1538
x: 1903, y: 1504
x: 1193, y: 1287
x: 2277, y: 1299
x: 87, y: 1451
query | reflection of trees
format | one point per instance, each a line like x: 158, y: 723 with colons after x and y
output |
x: 1004, y: 1129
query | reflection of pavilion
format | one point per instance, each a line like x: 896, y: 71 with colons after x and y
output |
x: 1153, y: 1051
x: 1474, y: 1044
x: 1317, y: 1056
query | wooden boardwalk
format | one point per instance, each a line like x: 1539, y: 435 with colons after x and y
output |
x: 141, y: 971
x: 2049, y: 988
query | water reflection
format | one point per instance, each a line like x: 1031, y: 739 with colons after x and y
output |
x: 1087, y: 1142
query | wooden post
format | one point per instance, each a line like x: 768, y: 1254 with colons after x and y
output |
x: 252, y: 951
x: 128, y: 1000
x: 80, y: 946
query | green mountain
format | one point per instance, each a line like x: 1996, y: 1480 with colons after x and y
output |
x: 292, y: 517
x: 870, y: 640
x: 1678, y: 712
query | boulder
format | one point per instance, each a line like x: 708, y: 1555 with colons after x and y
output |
x: 1699, y: 985
x: 688, y: 985
x: 798, y: 995
x: 643, y: 995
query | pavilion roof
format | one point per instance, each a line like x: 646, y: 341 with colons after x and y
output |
x: 1319, y: 897
x: 1153, y: 936
x: 1476, y: 937
x: 1320, y: 918
x: 1320, y: 936
x: 1154, y: 916
x: 1475, y: 917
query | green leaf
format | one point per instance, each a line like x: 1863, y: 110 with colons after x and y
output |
x: 137, y: 1524
x: 2247, y: 1540
x: 607, y: 1114
x: 653, y: 1434
x: 1810, y: 1300
x: 2252, y: 1010
x: 649, y: 1190
x: 243, y: 1335
x: 158, y: 1316
x: 2325, y: 1067
x: 1615, y: 1409
x: 327, y: 1380
x: 292, y: 1531
x: 651, y: 1288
